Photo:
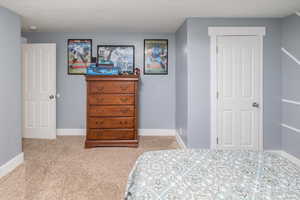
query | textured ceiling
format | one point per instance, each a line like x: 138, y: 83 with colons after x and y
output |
x: 137, y: 15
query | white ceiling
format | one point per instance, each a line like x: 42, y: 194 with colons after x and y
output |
x: 137, y: 15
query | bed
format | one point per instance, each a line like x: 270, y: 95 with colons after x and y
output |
x: 213, y: 175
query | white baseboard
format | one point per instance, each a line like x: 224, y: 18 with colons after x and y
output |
x: 157, y: 132
x: 179, y: 140
x: 11, y: 164
x: 71, y: 132
x: 142, y: 132
x: 34, y: 135
x: 288, y: 156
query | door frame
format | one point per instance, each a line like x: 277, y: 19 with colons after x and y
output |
x: 213, y: 33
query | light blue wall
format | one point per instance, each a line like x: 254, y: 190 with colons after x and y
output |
x: 290, y: 142
x: 290, y: 34
x: 198, y: 43
x: 291, y: 115
x: 290, y: 78
x: 10, y: 86
x: 290, y: 84
x: 181, y: 82
x: 157, y: 93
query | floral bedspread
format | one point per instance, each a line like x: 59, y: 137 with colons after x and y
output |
x: 213, y: 175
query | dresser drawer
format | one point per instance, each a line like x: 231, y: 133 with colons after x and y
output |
x: 111, y: 87
x: 110, y: 134
x: 111, y: 99
x: 111, y: 111
x: 119, y: 122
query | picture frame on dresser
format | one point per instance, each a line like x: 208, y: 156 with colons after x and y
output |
x: 79, y: 52
x: 156, y: 57
x: 121, y: 57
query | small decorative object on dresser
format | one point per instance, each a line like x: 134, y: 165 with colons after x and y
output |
x: 112, y: 107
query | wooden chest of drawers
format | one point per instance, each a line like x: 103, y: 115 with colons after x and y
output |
x: 112, y: 111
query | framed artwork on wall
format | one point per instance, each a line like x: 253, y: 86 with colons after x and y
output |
x: 155, y: 56
x: 79, y: 56
x: 120, y: 57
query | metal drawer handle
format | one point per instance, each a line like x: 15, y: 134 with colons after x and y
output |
x: 100, y: 89
x: 124, y: 87
x: 124, y: 110
x: 99, y: 100
x: 99, y: 122
x: 98, y: 134
x: 124, y: 99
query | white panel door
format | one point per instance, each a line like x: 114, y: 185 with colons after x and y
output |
x: 39, y: 90
x: 239, y: 72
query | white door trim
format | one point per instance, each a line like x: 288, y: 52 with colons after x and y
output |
x: 219, y: 30
x: 214, y: 32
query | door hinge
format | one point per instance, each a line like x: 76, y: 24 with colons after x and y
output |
x: 217, y: 95
x: 217, y: 140
x: 217, y: 49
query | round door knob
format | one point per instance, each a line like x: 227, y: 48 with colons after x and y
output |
x: 51, y: 96
x: 255, y: 104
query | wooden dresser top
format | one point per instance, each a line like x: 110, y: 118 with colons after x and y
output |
x: 131, y: 77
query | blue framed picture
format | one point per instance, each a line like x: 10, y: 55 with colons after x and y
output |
x: 79, y: 55
x: 155, y: 56
x: 120, y: 57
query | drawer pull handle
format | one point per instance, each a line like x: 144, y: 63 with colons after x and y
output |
x: 100, y: 89
x: 124, y: 110
x: 99, y: 100
x: 124, y: 99
x: 98, y: 134
x: 99, y: 122
x: 124, y: 87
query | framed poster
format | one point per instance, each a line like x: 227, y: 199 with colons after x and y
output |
x: 156, y: 57
x: 116, y: 56
x: 79, y: 56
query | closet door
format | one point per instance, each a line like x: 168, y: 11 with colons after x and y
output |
x: 39, y: 90
x: 239, y: 92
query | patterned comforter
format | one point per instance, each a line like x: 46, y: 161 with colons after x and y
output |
x: 213, y: 175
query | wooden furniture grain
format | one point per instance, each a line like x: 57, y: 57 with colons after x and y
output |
x: 112, y: 107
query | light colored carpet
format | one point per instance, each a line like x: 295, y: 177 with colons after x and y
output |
x: 63, y: 170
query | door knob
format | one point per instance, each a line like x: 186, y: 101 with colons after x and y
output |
x: 255, y: 104
x: 51, y: 96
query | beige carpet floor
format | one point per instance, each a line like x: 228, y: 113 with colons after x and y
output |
x: 63, y: 170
